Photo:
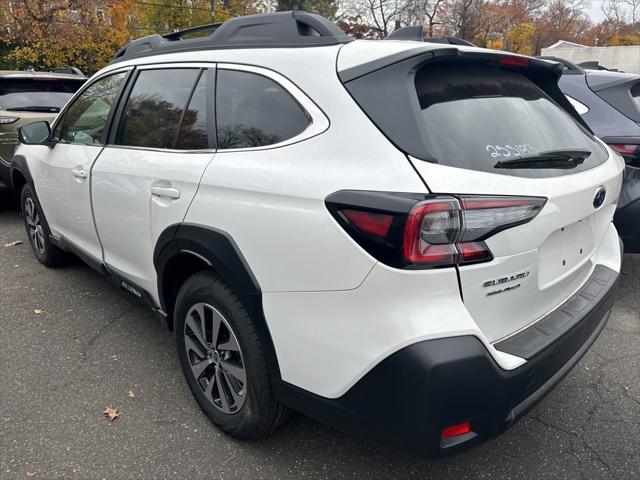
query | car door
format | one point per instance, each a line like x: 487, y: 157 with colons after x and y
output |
x: 149, y: 172
x: 64, y: 171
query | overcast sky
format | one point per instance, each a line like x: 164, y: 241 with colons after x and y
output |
x: 595, y: 12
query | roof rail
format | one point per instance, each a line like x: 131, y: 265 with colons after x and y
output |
x: 415, y: 33
x: 272, y: 30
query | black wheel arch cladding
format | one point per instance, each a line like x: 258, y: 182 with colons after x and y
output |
x: 19, y: 166
x: 221, y: 254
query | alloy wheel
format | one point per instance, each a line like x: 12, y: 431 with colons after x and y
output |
x: 215, y: 358
x: 34, y: 225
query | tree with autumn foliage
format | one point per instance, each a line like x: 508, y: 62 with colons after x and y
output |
x: 163, y: 16
x: 87, y: 33
x: 61, y: 33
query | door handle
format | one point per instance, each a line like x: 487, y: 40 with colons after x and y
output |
x: 169, y: 192
x: 79, y: 172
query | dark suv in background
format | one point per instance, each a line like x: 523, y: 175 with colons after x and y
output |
x: 27, y: 97
x: 610, y: 104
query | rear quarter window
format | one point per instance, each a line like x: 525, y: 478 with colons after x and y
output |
x: 254, y: 111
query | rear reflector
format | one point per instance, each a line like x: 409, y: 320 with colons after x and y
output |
x: 456, y: 430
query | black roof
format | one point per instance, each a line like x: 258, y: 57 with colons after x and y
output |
x: 273, y: 30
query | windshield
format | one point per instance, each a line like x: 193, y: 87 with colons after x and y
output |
x: 34, y: 94
x: 475, y: 118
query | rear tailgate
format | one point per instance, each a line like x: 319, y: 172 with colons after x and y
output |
x: 479, y: 122
x: 540, y: 264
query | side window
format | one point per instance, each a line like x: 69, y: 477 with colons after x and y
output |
x: 86, y: 118
x: 254, y: 111
x: 153, y: 112
x: 194, y: 134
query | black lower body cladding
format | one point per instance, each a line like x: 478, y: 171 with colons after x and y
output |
x: 411, y: 396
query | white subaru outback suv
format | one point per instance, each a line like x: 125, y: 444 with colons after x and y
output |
x: 409, y: 241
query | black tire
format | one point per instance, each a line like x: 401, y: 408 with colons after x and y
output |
x: 38, y: 233
x: 259, y: 413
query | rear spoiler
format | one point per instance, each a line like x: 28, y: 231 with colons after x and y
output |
x: 570, y: 68
x: 415, y: 33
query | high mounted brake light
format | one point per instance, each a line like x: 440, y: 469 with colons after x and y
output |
x: 514, y: 61
x: 417, y: 231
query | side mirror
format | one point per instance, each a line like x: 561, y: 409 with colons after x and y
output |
x: 36, y: 133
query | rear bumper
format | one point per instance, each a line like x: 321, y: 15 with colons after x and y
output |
x: 411, y: 396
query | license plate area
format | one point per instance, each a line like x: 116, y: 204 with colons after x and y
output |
x: 566, y: 250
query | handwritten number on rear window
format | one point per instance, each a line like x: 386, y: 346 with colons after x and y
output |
x: 506, y: 151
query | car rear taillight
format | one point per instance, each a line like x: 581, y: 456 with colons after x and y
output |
x: 447, y: 232
x: 369, y: 222
x: 430, y: 232
x: 417, y: 231
x: 630, y: 153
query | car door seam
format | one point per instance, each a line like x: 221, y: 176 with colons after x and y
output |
x: 93, y: 216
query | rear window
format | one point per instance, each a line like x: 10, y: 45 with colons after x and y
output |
x: 36, y: 94
x: 475, y: 117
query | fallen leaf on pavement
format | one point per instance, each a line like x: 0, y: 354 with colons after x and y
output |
x: 38, y: 311
x: 12, y: 244
x: 131, y: 394
x: 111, y: 413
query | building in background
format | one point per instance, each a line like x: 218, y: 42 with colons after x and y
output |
x: 622, y: 58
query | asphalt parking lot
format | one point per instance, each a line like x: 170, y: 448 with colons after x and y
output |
x: 90, y: 346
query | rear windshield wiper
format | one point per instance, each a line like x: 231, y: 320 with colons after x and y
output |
x: 33, y: 108
x: 565, y: 159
